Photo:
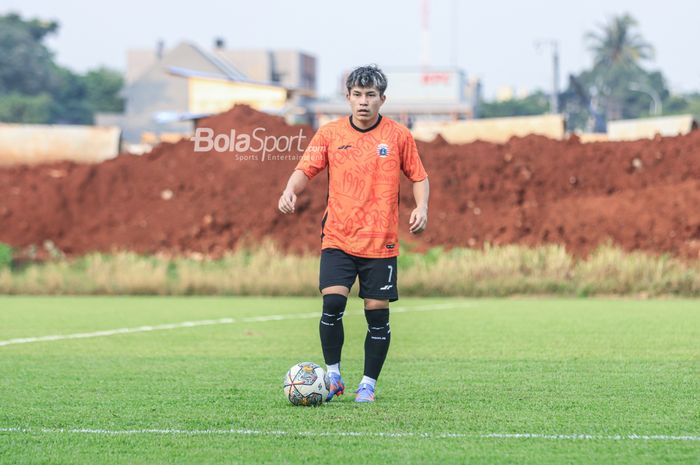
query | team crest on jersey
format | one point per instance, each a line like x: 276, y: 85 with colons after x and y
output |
x: 382, y: 150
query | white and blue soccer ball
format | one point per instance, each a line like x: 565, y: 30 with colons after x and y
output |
x: 306, y: 384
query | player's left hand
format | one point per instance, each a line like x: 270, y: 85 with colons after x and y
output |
x: 418, y: 221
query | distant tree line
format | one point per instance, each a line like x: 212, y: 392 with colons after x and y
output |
x: 35, y: 89
x: 618, y: 85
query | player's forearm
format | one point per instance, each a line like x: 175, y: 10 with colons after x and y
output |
x: 421, y: 192
x: 297, y: 182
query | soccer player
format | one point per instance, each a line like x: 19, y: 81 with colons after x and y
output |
x: 365, y: 154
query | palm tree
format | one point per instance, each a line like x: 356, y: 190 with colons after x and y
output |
x: 617, y: 44
x: 618, y: 51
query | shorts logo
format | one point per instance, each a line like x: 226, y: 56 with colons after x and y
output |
x: 386, y: 288
x: 382, y: 150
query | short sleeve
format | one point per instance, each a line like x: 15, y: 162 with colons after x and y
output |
x: 315, y: 156
x: 411, y: 164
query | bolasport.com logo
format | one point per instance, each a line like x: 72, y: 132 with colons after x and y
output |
x: 256, y: 146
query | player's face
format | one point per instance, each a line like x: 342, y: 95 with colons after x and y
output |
x: 365, y: 103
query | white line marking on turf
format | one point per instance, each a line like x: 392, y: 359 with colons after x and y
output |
x: 220, y: 321
x: 253, y: 432
x: 112, y: 332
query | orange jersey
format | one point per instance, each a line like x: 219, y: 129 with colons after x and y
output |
x: 364, y: 168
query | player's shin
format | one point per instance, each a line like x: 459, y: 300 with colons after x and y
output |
x: 376, y: 342
x: 331, y: 328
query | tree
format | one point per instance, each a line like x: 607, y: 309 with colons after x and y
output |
x: 616, y: 45
x: 70, y: 102
x: 21, y: 108
x: 102, y: 88
x: 617, y: 85
x: 618, y: 51
x: 683, y: 104
x: 534, y: 104
x: 34, y: 89
x: 25, y: 63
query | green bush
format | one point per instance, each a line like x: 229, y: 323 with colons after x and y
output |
x: 5, y: 256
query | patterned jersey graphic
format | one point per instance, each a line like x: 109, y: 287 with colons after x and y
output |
x: 362, y: 216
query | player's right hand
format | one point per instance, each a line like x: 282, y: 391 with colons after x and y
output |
x: 287, y: 201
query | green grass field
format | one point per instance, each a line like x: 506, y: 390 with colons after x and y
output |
x: 538, y: 381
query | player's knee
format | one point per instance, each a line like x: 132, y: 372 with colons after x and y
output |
x: 342, y: 290
x: 333, y: 308
x: 378, y: 324
x: 374, y: 304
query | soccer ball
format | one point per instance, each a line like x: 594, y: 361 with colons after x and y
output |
x: 306, y: 384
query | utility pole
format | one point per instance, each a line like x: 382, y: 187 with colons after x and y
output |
x: 554, y: 96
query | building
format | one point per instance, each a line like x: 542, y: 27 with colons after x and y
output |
x: 289, y: 68
x: 167, y: 90
x: 435, y: 94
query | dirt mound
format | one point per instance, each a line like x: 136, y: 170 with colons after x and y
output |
x: 641, y: 195
x: 535, y: 190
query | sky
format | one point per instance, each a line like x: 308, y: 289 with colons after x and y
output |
x: 492, y: 40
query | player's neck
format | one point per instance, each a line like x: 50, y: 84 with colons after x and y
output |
x: 363, y: 126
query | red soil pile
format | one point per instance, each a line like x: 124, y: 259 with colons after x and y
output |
x: 640, y: 195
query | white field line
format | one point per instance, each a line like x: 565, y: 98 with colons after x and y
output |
x: 220, y: 321
x: 428, y: 435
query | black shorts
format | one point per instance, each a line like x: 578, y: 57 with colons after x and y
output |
x: 377, y: 275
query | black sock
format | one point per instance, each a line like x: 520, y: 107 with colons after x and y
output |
x: 376, y: 341
x: 331, y: 327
